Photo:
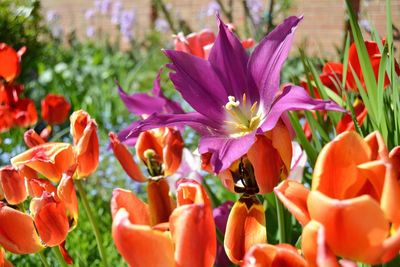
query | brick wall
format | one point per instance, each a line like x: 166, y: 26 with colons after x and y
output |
x: 321, y: 30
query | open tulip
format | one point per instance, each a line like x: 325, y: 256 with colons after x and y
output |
x: 55, y: 109
x: 49, y: 159
x: 86, y: 143
x: 51, y: 211
x: 188, y: 239
x: 354, y: 178
x: 235, y: 97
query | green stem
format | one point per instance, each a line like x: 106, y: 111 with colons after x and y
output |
x: 43, y: 259
x: 281, y: 220
x: 58, y: 135
x: 92, y: 220
x: 59, y: 257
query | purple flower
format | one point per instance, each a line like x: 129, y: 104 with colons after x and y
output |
x: 89, y: 14
x: 161, y: 25
x: 90, y: 31
x: 220, y: 215
x: 235, y: 96
x: 105, y: 7
x: 213, y: 8
x: 143, y: 104
x: 126, y: 23
x: 116, y: 11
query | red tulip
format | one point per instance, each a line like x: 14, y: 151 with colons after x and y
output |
x: 10, y: 62
x: 55, y: 109
x: 13, y: 185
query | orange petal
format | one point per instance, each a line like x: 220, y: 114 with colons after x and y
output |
x: 17, y: 231
x: 335, y: 172
x: 354, y: 228
x: 373, y: 174
x: 67, y: 258
x: 206, y: 37
x: 10, y: 63
x: 13, y: 185
x: 139, y: 245
x: 192, y: 227
x: 49, y: 159
x: 86, y: 141
x: 314, y: 246
x: 137, y: 210
x: 294, y: 196
x: 245, y: 227
x: 271, y: 156
x: 3, y: 261
x: 267, y: 255
x: 159, y: 200
x: 172, y: 150
x: 125, y: 158
x: 377, y: 146
x: 67, y: 194
x: 390, y: 200
x: 32, y: 139
x: 37, y: 186
x: 50, y: 219
x: 148, y: 140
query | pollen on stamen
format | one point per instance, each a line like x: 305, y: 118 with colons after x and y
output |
x: 232, y: 103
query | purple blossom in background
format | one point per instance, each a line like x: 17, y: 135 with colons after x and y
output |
x: 220, y: 215
x: 127, y: 23
x: 97, y: 5
x: 190, y: 168
x: 213, y: 8
x: 364, y: 24
x: 116, y: 11
x: 89, y: 14
x: 235, y: 96
x: 90, y: 31
x: 256, y: 9
x: 161, y: 25
x: 105, y: 7
x: 52, y: 16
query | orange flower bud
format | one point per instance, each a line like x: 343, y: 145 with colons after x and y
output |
x: 49, y: 159
x: 125, y: 158
x: 86, y: 142
x: 55, y: 109
x: 13, y: 185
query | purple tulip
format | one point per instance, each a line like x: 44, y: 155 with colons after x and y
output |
x: 235, y: 96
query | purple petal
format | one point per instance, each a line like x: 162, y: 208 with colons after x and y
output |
x: 197, y: 121
x: 141, y: 103
x: 225, y: 150
x: 295, y: 98
x: 156, y: 91
x: 221, y: 214
x: 198, y: 83
x: 268, y: 57
x: 229, y: 59
x: 125, y: 134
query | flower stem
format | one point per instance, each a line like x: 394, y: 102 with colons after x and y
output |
x: 43, y: 259
x: 281, y: 220
x: 59, y: 257
x: 92, y: 220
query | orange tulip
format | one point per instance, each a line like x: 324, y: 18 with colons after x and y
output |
x: 49, y: 159
x: 32, y: 139
x: 55, y: 109
x: 125, y: 158
x: 13, y: 185
x: 266, y: 255
x: 86, y: 142
x: 353, y: 179
x: 191, y: 240
x: 245, y: 228
x: 10, y: 62
x: 165, y: 146
x: 346, y: 122
x: 269, y: 159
